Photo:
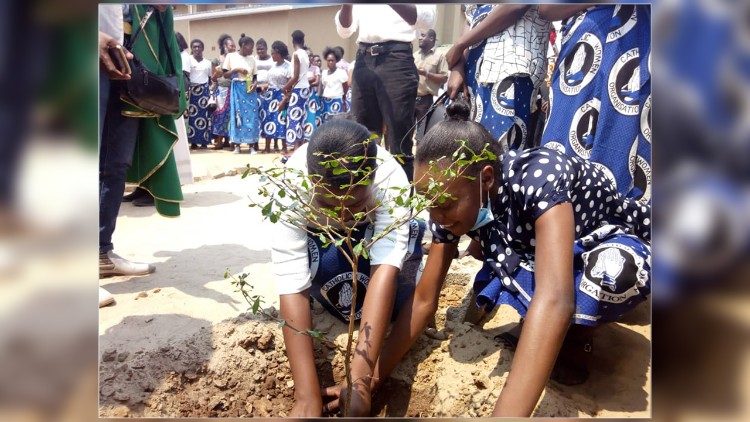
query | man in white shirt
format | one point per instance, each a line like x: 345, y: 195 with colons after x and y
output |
x: 384, y: 85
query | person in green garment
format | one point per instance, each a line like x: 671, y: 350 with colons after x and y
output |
x: 135, y: 144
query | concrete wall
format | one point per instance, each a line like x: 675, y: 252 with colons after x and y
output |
x: 316, y: 22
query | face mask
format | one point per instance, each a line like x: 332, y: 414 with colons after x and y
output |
x: 484, y: 216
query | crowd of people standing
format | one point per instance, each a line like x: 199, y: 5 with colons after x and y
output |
x: 252, y: 92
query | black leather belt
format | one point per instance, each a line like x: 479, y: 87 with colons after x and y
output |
x: 383, y: 48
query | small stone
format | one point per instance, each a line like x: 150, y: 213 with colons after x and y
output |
x: 220, y: 383
x: 120, y: 412
x: 108, y: 376
x: 149, y: 319
x: 479, y: 384
x: 146, y: 385
x: 279, y: 376
x: 109, y: 355
x: 290, y: 384
x: 165, y: 349
x: 190, y: 375
x: 435, y: 334
x: 230, y: 331
x: 156, y: 290
x: 249, y: 408
x: 265, y: 341
x: 122, y: 356
x: 121, y: 396
x: 216, y: 403
x: 269, y: 383
x: 106, y: 390
x: 257, y: 377
x: 141, y: 295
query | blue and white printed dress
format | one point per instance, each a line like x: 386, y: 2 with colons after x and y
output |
x: 612, y: 252
x: 601, y: 95
x: 502, y: 72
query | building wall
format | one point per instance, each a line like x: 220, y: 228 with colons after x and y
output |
x: 316, y: 22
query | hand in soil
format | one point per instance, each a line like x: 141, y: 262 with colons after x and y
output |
x: 306, y: 408
x: 361, y: 401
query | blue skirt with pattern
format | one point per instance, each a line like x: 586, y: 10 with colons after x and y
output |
x: 244, y: 114
x: 296, y: 114
x: 272, y: 120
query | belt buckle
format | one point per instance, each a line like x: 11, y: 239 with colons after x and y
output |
x: 375, y: 50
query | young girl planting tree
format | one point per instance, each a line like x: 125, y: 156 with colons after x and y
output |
x: 558, y: 242
x: 306, y: 267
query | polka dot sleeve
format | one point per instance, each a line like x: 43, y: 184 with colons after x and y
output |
x: 539, y: 179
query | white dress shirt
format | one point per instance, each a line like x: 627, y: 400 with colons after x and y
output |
x: 380, y: 23
x: 291, y: 265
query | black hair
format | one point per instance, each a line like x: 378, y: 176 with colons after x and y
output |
x: 223, y: 40
x: 341, y: 138
x: 340, y: 50
x: 431, y: 33
x: 280, y: 48
x: 261, y: 41
x: 443, y: 140
x: 245, y: 39
x: 197, y: 41
x: 298, y: 37
x: 329, y: 50
x: 181, y: 41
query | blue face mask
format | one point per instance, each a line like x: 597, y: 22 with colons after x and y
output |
x: 484, y: 216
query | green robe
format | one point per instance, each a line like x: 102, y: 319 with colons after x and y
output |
x: 154, y: 167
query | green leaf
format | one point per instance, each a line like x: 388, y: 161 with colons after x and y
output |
x: 282, y: 193
x: 256, y: 305
x: 339, y: 170
x: 358, y: 249
x: 315, y: 334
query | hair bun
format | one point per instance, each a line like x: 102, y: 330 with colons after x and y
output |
x: 458, y: 109
x: 242, y: 35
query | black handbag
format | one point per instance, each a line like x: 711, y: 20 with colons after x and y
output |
x: 158, y: 94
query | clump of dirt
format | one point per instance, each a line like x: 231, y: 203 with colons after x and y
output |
x: 238, y: 368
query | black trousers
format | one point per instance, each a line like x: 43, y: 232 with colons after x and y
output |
x: 384, y: 89
x: 421, y: 106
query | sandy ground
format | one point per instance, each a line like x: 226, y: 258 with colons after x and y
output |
x: 180, y: 343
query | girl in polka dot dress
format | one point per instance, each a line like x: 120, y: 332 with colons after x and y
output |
x: 558, y: 242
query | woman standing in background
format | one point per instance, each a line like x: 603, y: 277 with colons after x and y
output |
x: 297, y: 91
x: 243, y: 104
x: 200, y: 70
x: 273, y: 119
x: 334, y: 84
x: 263, y: 62
x: 314, y: 103
x: 220, y: 118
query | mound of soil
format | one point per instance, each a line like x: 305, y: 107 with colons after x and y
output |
x: 238, y: 368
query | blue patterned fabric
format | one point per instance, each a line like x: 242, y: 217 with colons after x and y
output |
x: 612, y: 252
x: 244, y: 114
x: 220, y: 118
x: 331, y: 273
x: 331, y: 107
x: 296, y: 114
x: 503, y: 108
x: 601, y: 95
x: 272, y: 121
x: 313, y: 114
x: 199, y: 125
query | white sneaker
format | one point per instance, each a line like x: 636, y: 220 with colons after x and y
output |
x: 113, y: 264
x: 105, y: 298
x: 236, y: 149
x: 252, y: 151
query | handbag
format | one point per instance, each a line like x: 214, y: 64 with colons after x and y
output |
x: 158, y: 94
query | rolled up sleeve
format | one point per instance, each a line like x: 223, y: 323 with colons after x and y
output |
x: 346, y: 32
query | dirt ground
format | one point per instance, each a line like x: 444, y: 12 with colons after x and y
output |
x: 179, y: 343
x: 238, y: 368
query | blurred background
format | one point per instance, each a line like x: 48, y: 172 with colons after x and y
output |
x: 48, y: 210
